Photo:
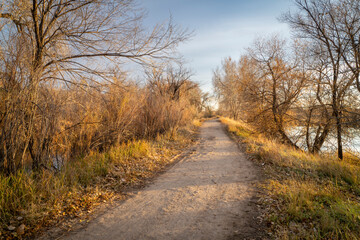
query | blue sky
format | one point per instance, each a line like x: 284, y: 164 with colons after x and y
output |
x: 222, y: 28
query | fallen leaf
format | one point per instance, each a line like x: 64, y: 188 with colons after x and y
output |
x: 21, y: 229
x: 11, y: 228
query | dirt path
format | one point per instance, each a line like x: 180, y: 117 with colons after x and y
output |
x: 208, y: 195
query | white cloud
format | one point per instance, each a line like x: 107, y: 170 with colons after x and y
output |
x: 228, y: 38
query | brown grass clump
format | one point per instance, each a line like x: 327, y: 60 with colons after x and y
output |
x: 71, y: 119
x: 38, y: 199
x: 307, y: 196
x: 72, y: 147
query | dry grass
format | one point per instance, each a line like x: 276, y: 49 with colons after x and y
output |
x: 308, y: 196
x: 44, y: 198
x: 81, y: 145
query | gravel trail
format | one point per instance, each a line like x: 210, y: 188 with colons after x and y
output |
x: 207, y: 195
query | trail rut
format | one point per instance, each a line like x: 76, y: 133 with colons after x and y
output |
x: 207, y: 195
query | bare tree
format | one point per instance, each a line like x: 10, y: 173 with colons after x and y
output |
x: 65, y: 42
x: 61, y: 33
x: 170, y: 90
x: 281, y: 78
x: 314, y: 103
x: 317, y: 21
x: 169, y: 81
x: 227, y: 87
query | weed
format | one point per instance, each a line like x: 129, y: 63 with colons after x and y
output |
x: 45, y: 197
x: 308, y: 196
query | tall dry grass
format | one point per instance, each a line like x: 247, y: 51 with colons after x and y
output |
x: 66, y: 148
x: 46, y: 197
x: 61, y: 123
x: 307, y: 196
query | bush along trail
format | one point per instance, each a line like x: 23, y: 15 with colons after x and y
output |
x: 30, y: 202
x: 306, y: 196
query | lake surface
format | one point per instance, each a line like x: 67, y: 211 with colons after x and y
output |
x: 351, y: 140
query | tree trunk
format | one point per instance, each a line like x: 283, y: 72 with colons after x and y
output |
x: 339, y: 137
x: 319, y: 140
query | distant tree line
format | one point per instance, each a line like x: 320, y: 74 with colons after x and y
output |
x: 311, y: 82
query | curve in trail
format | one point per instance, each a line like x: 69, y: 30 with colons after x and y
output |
x: 208, y: 195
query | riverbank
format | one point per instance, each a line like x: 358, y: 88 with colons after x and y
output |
x: 306, y: 196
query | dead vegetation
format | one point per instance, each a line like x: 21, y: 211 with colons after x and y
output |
x: 306, y: 196
x: 44, y: 198
x: 290, y: 103
x: 97, y: 141
x: 302, y: 91
x: 74, y: 128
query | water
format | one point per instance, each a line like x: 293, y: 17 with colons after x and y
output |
x: 351, y: 140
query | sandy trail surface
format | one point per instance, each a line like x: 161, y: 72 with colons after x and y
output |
x: 207, y: 195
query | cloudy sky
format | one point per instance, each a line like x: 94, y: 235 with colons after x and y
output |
x: 222, y: 28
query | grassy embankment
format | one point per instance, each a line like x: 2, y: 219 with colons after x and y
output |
x: 29, y: 201
x: 307, y: 196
